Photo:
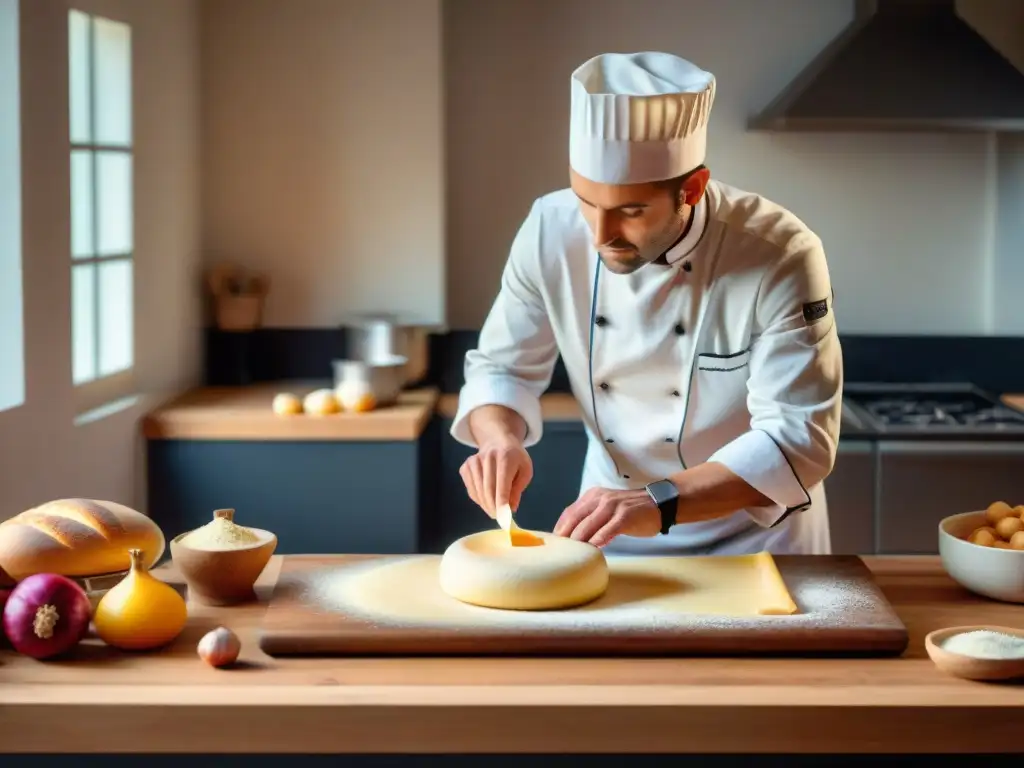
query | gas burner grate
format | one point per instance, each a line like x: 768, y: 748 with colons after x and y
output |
x: 923, y: 409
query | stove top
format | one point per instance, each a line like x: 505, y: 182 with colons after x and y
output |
x: 930, y: 408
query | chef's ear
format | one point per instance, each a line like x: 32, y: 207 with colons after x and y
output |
x: 694, y: 186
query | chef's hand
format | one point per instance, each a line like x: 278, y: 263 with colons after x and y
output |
x: 601, y: 514
x: 497, y: 474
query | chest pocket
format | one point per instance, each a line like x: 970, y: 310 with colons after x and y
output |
x: 721, y: 386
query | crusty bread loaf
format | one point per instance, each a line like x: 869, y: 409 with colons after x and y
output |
x: 77, y: 537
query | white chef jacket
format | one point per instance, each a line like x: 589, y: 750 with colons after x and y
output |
x: 728, y: 353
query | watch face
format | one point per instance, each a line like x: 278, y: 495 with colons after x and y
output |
x: 663, y: 490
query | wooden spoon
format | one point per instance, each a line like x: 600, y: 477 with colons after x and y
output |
x: 970, y: 667
x: 518, y: 536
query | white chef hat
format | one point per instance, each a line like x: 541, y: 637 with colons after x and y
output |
x: 638, y: 117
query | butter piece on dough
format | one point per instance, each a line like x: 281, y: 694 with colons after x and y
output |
x: 518, y: 536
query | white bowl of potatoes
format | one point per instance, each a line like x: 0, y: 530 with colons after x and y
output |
x: 984, y: 551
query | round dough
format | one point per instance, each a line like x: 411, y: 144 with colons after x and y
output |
x: 983, y: 536
x: 485, y: 569
x: 996, y: 511
x: 1009, y: 526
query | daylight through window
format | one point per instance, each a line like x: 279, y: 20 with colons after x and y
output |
x: 12, y: 325
x: 102, y: 236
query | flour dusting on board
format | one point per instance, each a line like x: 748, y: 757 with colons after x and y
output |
x: 403, y: 592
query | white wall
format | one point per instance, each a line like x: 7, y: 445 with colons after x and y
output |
x: 323, y: 122
x: 323, y: 154
x: 896, y: 212
x: 43, y: 454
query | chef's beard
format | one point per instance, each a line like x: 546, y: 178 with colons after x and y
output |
x: 623, y: 263
x: 631, y: 258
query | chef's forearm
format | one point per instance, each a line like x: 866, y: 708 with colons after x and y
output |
x: 492, y: 424
x: 711, y: 490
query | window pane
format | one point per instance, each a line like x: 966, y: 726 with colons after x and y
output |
x: 81, y: 204
x: 12, y: 320
x: 116, y: 338
x: 83, y: 330
x: 113, y: 83
x: 114, y: 202
x: 78, y: 76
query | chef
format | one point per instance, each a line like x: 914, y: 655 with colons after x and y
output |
x: 696, y: 326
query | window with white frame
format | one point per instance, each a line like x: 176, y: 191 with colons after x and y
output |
x: 102, y: 210
x: 12, y: 325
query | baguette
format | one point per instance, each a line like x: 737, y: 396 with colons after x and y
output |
x: 77, y: 537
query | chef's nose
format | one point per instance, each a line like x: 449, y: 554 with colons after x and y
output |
x: 604, y: 228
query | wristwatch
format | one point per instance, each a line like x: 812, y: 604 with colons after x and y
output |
x: 665, y: 496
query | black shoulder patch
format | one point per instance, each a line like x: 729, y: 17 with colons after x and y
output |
x: 815, y: 310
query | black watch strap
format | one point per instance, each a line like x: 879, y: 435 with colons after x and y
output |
x: 665, y: 496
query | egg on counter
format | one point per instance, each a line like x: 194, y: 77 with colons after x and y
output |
x: 286, y: 404
x: 321, y: 402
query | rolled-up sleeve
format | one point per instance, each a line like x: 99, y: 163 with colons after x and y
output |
x: 794, y: 391
x: 515, y: 356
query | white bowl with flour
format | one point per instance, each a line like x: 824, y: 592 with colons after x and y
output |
x: 987, y: 571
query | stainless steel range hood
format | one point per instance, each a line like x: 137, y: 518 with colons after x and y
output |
x: 903, y: 65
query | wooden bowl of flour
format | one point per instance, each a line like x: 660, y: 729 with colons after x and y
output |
x: 221, y: 560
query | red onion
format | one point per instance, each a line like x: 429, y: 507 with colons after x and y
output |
x: 46, y: 615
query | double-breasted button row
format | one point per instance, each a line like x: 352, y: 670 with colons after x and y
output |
x: 601, y: 321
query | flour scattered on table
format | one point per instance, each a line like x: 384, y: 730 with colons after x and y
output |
x: 395, y: 592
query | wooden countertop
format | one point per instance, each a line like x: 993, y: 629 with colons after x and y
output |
x: 244, y: 413
x: 169, y: 701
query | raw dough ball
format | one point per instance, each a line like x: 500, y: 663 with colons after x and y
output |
x: 485, y: 569
x: 1017, y: 540
x: 1009, y: 526
x: 997, y: 510
x: 321, y: 402
x: 1001, y: 545
x: 984, y: 537
x: 286, y: 404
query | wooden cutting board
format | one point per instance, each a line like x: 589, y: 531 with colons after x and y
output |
x: 840, y: 610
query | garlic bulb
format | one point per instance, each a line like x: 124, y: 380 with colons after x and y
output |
x: 219, y: 647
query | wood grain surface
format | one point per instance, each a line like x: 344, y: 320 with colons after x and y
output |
x: 244, y: 413
x: 862, y: 622
x: 99, y: 700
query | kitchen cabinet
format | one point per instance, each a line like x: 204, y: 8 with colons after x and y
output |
x: 317, y: 496
x: 358, y: 483
x: 850, y: 496
x: 921, y: 482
